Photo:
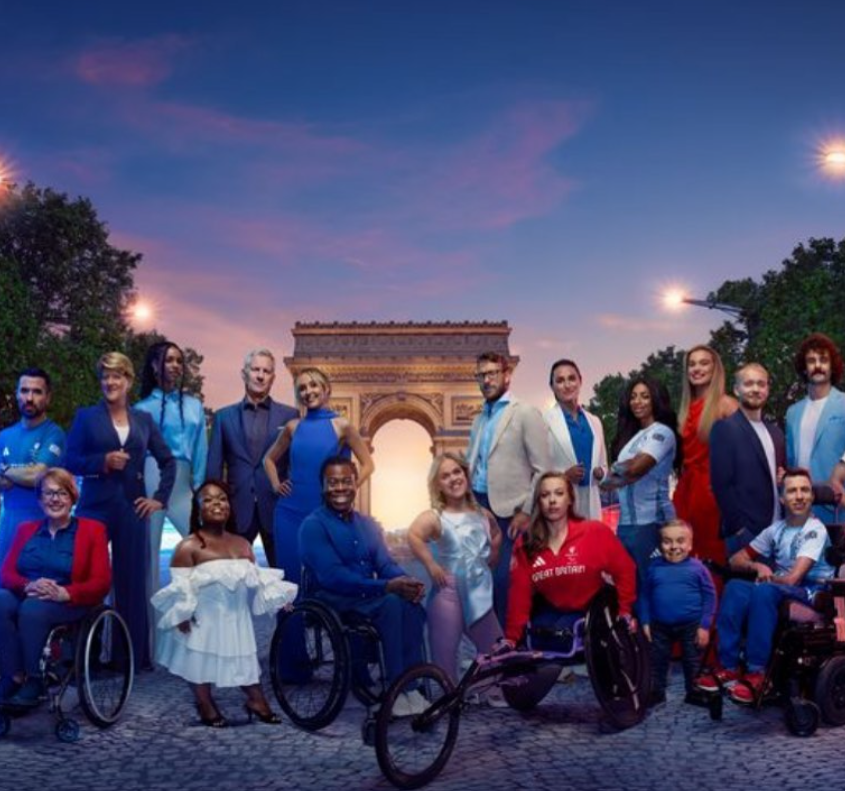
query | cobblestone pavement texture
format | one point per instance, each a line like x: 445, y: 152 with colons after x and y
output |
x: 159, y: 744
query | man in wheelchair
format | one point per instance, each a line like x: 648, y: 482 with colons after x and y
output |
x: 795, y: 547
x: 349, y: 568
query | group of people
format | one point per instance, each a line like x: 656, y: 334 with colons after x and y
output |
x: 514, y: 535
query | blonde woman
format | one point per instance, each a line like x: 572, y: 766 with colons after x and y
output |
x: 466, y: 538
x: 703, y: 402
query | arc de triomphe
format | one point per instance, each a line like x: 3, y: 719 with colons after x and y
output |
x: 383, y: 371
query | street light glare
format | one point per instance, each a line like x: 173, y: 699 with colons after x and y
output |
x: 832, y: 158
x: 142, y: 311
x: 673, y: 298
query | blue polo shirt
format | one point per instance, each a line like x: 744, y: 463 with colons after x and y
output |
x: 581, y: 436
x: 489, y: 419
x: 48, y: 556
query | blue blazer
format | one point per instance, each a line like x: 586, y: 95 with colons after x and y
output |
x: 244, y: 472
x: 828, y: 445
x: 92, y: 435
x: 740, y: 475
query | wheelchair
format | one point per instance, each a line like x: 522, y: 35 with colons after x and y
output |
x: 806, y: 670
x: 341, y: 653
x: 94, y: 657
x: 412, y: 750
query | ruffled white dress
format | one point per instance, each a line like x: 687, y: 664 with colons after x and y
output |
x: 215, y: 596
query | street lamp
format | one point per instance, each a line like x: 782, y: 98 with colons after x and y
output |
x: 675, y: 299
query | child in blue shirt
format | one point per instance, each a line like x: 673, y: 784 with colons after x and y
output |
x: 678, y: 604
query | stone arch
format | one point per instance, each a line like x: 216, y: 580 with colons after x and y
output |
x: 420, y: 371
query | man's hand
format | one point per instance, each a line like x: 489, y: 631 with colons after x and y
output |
x: 519, y: 524
x: 647, y: 631
x: 407, y: 587
x: 116, y: 461
x: 764, y: 572
x: 146, y: 506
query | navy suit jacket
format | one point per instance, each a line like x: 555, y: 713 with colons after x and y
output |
x: 92, y: 435
x: 229, y: 449
x: 740, y: 475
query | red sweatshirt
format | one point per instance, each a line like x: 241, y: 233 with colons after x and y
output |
x: 569, y: 579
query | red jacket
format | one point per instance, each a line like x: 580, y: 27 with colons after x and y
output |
x: 90, y: 574
x: 569, y: 579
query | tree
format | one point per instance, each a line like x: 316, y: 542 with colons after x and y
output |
x: 64, y: 295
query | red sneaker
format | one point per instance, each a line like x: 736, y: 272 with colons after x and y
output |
x: 718, y: 679
x: 748, y: 689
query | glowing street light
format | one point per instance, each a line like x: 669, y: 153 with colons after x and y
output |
x: 141, y: 312
x: 832, y: 158
x: 675, y: 299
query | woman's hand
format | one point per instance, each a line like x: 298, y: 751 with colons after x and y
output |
x: 284, y: 488
x: 702, y: 637
x: 439, y: 575
x: 147, y: 506
x: 116, y: 461
x: 575, y: 474
x: 185, y: 626
x: 47, y: 590
x: 598, y: 473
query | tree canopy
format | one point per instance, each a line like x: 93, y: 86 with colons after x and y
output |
x: 64, y: 295
x: 803, y: 295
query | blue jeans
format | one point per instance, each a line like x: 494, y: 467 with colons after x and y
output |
x: 641, y: 542
x: 24, y: 626
x: 663, y: 637
x: 753, y: 606
x: 502, y: 572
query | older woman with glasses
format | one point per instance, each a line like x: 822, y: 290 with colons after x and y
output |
x: 56, y: 570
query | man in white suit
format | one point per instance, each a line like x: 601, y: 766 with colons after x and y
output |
x: 576, y: 439
x: 508, y: 451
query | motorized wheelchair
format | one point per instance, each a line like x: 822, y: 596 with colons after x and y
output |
x: 413, y: 750
x: 317, y: 656
x: 92, y: 656
x: 806, y: 670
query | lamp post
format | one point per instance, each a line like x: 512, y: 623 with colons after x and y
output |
x: 674, y: 300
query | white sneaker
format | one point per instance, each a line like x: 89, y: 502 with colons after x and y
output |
x: 495, y: 699
x: 417, y: 701
x: 402, y: 706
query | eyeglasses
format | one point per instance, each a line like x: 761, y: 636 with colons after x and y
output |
x: 493, y: 373
x: 55, y: 494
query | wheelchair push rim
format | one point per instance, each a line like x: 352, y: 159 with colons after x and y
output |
x: 412, y: 750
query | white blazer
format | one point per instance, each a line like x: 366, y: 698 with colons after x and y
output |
x: 587, y: 499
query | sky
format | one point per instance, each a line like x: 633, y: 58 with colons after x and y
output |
x: 555, y: 164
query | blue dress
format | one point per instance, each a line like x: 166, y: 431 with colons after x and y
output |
x: 313, y: 441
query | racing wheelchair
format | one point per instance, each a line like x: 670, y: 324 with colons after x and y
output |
x: 328, y: 655
x: 92, y: 655
x: 806, y: 671
x: 413, y: 750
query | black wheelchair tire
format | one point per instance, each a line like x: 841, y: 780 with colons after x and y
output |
x: 524, y: 693
x: 802, y: 717
x: 830, y: 690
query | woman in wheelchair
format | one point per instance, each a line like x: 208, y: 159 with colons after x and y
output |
x: 560, y: 564
x: 205, y: 632
x: 56, y: 571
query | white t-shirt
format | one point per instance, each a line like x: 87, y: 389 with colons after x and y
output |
x: 809, y: 424
x: 786, y: 543
x: 769, y: 448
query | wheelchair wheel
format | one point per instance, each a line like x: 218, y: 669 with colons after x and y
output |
x: 67, y: 731
x: 412, y: 750
x: 802, y: 717
x: 830, y: 690
x: 618, y: 663
x: 309, y: 665
x: 366, y: 679
x: 524, y: 692
x: 104, y: 666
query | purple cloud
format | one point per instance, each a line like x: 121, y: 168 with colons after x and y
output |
x: 125, y: 63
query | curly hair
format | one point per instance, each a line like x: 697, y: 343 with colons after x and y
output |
x: 196, y: 522
x: 818, y: 342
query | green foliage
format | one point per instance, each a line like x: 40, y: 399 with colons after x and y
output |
x: 64, y: 294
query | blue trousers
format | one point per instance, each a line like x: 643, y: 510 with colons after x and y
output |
x: 502, y: 572
x: 663, y: 637
x: 549, y: 618
x: 641, y: 541
x: 399, y: 623
x: 24, y: 626
x: 754, y: 607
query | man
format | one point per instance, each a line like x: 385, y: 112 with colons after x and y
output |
x: 240, y: 436
x: 508, y: 451
x: 815, y: 426
x: 796, y: 547
x: 27, y: 449
x: 347, y: 565
x: 746, y: 455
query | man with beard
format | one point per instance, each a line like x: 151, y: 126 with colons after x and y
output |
x: 815, y: 426
x: 27, y: 449
x: 346, y: 564
x: 746, y: 459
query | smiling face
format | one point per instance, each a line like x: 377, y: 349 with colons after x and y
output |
x: 675, y: 543
x: 310, y: 392
x: 258, y: 377
x: 752, y: 387
x: 566, y: 385
x: 33, y: 397
x: 56, y: 502
x: 115, y: 387
x: 340, y: 487
x: 700, y: 365
x: 553, y: 498
x: 214, y: 505
x: 797, y: 497
x: 819, y: 366
x: 641, y: 405
x: 452, y: 482
x: 172, y: 369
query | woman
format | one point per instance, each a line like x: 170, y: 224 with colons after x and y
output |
x: 576, y: 557
x: 181, y: 419
x: 107, y: 445
x: 56, y: 570
x: 576, y: 439
x: 205, y: 632
x: 645, y: 452
x: 703, y: 402
x: 317, y: 436
x: 467, y: 540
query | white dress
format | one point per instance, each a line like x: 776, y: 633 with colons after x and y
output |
x: 220, y: 648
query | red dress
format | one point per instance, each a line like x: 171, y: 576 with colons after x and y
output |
x: 694, y: 501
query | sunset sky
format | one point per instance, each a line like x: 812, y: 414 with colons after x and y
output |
x: 554, y: 164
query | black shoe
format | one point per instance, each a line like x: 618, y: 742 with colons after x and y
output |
x: 698, y: 698
x: 656, y: 699
x: 217, y: 720
x: 268, y: 717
